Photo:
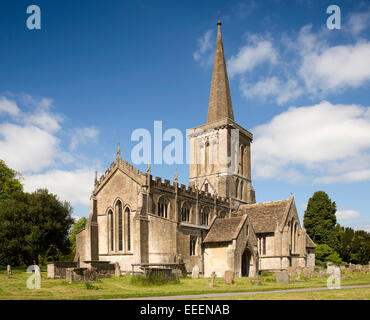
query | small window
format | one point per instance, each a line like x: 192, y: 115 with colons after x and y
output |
x: 162, y: 208
x: 247, y: 229
x: 185, y: 214
x: 193, y: 242
x: 206, y: 187
x: 264, y: 245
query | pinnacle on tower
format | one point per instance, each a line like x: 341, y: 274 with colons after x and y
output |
x: 219, y: 106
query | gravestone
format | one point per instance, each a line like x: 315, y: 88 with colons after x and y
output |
x: 322, y: 274
x: 282, y: 276
x: 51, y: 271
x: 195, y: 272
x: 177, y: 273
x: 117, y: 269
x: 9, y: 269
x: 90, y: 275
x: 229, y: 277
x: 69, y: 275
x: 291, y: 271
x: 213, y: 276
x: 308, y: 272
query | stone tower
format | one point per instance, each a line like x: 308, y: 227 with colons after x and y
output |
x: 220, y: 160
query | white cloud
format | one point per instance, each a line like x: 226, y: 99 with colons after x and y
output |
x: 27, y: 148
x: 74, y: 186
x: 205, y: 44
x: 347, y: 214
x: 329, y: 141
x: 272, y: 87
x: 336, y: 67
x: 8, y: 106
x: 256, y: 52
x: 82, y: 135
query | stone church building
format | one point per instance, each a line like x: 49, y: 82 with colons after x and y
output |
x: 213, y: 222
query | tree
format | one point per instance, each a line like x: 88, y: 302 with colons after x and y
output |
x: 320, y: 220
x: 323, y: 254
x: 9, y: 183
x: 34, y: 225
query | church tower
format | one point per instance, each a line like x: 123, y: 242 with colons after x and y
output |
x: 220, y: 158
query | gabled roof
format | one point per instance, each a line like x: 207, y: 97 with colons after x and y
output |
x: 225, y: 230
x: 265, y: 216
x: 309, y: 242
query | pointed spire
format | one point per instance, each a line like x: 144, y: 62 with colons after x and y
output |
x: 96, y: 178
x: 176, y: 178
x: 118, y: 151
x: 219, y: 106
x: 148, y: 168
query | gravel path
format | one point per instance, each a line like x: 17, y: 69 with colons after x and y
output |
x: 230, y: 294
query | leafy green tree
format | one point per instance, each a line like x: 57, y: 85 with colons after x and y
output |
x: 322, y: 252
x: 9, y: 181
x: 34, y: 225
x: 320, y: 220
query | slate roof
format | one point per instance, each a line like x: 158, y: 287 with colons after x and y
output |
x: 309, y: 242
x: 224, y: 230
x: 266, y: 215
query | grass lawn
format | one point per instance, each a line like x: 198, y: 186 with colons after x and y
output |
x: 342, y: 294
x: 120, y: 287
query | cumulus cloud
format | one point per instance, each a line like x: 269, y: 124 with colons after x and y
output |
x: 347, y: 214
x: 328, y: 141
x: 254, y: 53
x: 74, y: 186
x: 30, y: 143
x: 272, y: 87
x: 336, y: 67
x: 205, y: 43
x: 82, y: 135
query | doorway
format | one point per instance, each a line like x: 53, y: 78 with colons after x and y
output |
x: 246, y: 260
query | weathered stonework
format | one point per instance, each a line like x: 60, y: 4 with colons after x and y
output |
x: 136, y: 219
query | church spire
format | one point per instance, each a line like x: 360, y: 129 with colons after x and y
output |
x: 219, y: 106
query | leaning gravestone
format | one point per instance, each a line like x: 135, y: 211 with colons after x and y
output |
x: 229, y: 277
x: 282, y: 276
x: 195, y: 272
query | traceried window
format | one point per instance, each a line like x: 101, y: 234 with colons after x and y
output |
x: 162, y: 208
x: 193, y: 243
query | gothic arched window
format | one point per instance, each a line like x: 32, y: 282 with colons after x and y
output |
x: 185, y: 212
x: 162, y: 210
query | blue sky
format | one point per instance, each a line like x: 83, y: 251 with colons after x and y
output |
x: 97, y: 70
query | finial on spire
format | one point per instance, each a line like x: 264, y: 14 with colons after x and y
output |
x: 118, y: 151
x: 176, y: 179
x: 96, y: 177
x: 219, y: 15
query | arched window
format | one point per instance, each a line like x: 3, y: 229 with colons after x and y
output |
x: 236, y: 188
x: 120, y: 226
x: 185, y: 212
x: 111, y: 229
x: 162, y: 207
x: 204, y: 216
x: 128, y: 227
